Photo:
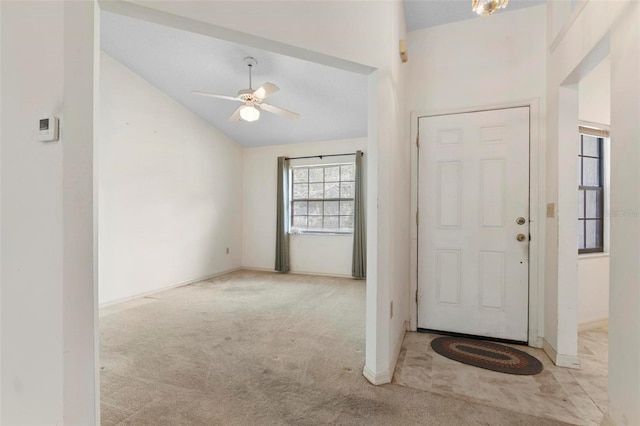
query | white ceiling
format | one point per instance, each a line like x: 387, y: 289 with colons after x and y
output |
x: 332, y: 102
x: 421, y: 14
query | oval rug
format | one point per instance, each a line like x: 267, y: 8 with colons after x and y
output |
x: 488, y: 355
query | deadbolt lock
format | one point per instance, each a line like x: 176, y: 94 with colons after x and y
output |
x: 521, y: 237
x: 521, y: 220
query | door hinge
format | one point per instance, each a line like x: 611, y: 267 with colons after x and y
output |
x: 418, y: 141
x: 417, y: 218
x: 416, y: 296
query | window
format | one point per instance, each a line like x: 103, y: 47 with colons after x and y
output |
x: 322, y: 198
x: 590, y: 194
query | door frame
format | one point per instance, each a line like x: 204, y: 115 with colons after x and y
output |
x: 536, y: 212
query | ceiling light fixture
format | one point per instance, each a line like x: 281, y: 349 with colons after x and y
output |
x: 487, y: 7
x: 249, y: 113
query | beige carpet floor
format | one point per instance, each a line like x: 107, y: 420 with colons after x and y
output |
x: 257, y: 348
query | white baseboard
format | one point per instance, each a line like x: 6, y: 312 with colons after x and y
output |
x: 169, y: 287
x: 396, y: 352
x: 592, y: 325
x: 607, y: 420
x: 537, y: 343
x: 377, y: 379
x: 567, y: 361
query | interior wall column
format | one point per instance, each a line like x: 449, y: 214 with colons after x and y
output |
x: 567, y: 303
x: 624, y: 296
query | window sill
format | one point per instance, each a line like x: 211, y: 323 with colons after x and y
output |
x: 321, y: 233
x: 593, y: 255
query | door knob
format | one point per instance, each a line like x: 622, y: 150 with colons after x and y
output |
x: 521, y: 220
x: 521, y: 237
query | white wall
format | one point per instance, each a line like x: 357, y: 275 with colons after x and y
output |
x: 603, y: 28
x: 594, y: 95
x: 593, y: 290
x: 594, y: 106
x: 478, y: 62
x: 624, y: 302
x: 80, y: 382
x: 48, y: 345
x: 170, y: 190
x: 32, y: 243
x: 483, y: 63
x: 316, y: 254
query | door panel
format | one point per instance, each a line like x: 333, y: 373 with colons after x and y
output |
x: 473, y: 184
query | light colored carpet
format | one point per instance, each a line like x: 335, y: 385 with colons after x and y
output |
x: 257, y: 348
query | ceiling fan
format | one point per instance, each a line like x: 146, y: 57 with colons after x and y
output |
x: 253, y: 99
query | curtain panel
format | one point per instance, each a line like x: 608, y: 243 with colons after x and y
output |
x: 359, y: 258
x: 282, y: 219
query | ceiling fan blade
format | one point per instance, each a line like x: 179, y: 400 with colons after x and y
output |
x: 236, y: 115
x: 228, y: 98
x: 278, y: 110
x: 265, y: 90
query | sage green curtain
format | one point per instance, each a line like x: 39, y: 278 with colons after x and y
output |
x: 359, y: 258
x: 282, y: 220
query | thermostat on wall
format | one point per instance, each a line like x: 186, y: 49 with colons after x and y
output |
x: 48, y: 129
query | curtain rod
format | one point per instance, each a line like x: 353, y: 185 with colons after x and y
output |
x: 321, y: 156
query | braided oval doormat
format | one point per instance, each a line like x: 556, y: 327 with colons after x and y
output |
x: 487, y: 355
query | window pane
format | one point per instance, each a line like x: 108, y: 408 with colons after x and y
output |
x: 593, y: 204
x: 346, y: 207
x: 331, y: 208
x: 591, y: 234
x: 591, y: 172
x: 300, y: 208
x: 300, y: 221
x: 315, y: 208
x: 331, y: 222
x: 315, y: 222
x: 347, y: 189
x: 331, y: 190
x: 580, y: 234
x: 348, y: 172
x: 590, y: 146
x: 346, y: 222
x: 332, y: 174
x: 579, y: 170
x: 300, y: 191
x: 598, y: 233
x: 316, y: 174
x: 580, y: 203
x: 316, y: 190
x: 301, y: 175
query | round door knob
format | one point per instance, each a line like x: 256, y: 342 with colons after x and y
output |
x: 521, y: 237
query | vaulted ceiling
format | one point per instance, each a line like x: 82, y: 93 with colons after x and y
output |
x: 332, y: 103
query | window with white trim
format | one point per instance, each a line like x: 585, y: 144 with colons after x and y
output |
x: 322, y: 198
x: 591, y: 194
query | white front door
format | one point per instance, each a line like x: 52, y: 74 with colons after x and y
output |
x: 473, y: 200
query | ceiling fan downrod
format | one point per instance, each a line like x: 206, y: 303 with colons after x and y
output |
x: 251, y: 62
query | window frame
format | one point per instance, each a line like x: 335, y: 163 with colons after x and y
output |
x: 585, y: 189
x: 292, y: 200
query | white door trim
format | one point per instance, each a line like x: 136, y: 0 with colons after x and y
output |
x: 536, y: 229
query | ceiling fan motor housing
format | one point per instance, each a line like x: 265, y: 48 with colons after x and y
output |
x: 246, y: 95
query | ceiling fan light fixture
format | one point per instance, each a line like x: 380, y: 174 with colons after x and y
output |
x: 487, y: 7
x: 249, y: 113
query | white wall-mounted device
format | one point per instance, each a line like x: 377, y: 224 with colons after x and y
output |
x: 48, y: 131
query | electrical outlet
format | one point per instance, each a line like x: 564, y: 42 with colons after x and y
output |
x: 227, y: 250
x: 391, y: 310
